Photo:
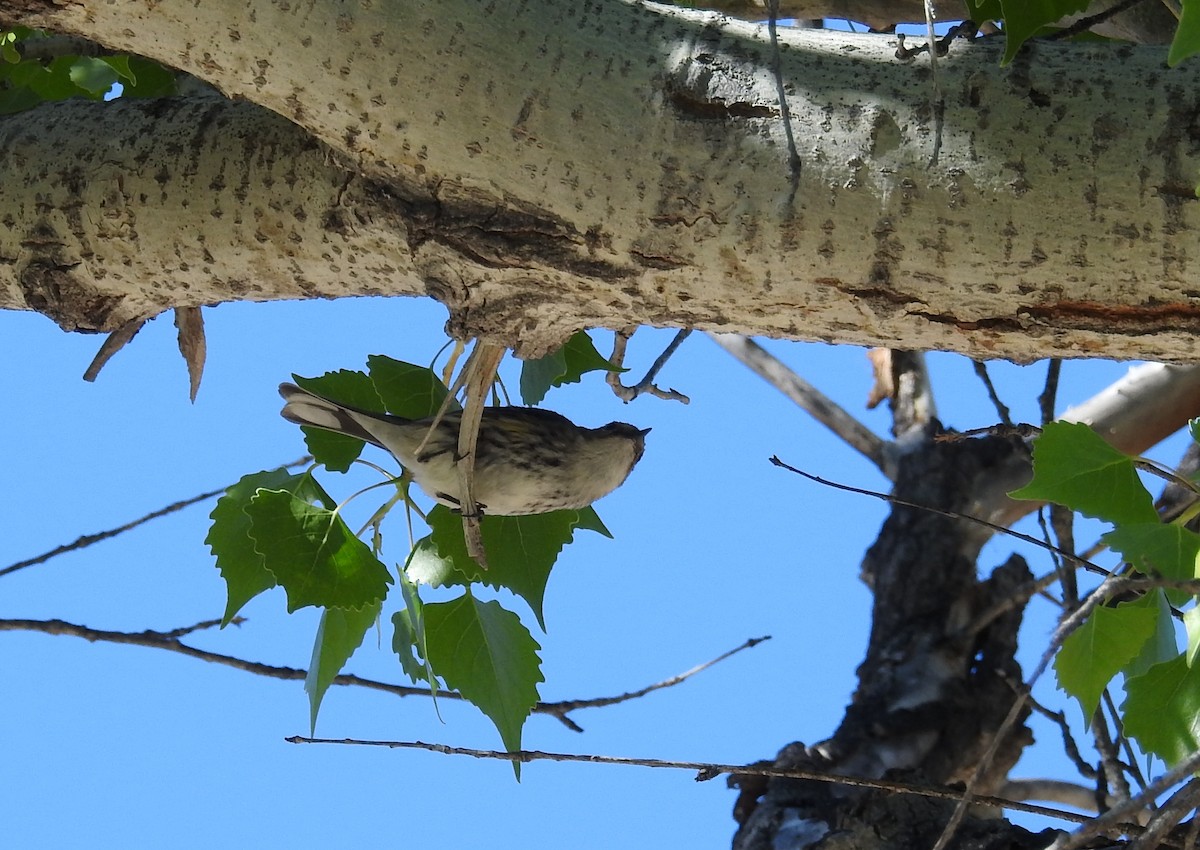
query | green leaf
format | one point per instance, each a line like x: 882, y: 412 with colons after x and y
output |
x: 1194, y: 429
x: 483, y: 652
x: 413, y: 392
x: 1023, y: 18
x: 409, y: 635
x: 982, y: 11
x: 94, y: 76
x: 53, y: 82
x: 1096, y: 651
x: 567, y: 365
x: 1169, y: 550
x: 1161, y: 646
x: 1162, y: 710
x: 18, y: 100
x: 338, y: 451
x: 147, y: 79
x: 340, y: 633
x: 229, y: 536
x: 1073, y: 466
x: 1191, y: 622
x: 521, y: 551
x: 1187, y: 34
x: 120, y: 66
x: 313, y: 554
x: 8, y: 50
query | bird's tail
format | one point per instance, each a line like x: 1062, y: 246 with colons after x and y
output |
x: 305, y: 408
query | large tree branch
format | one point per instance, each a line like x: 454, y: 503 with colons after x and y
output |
x: 1059, y: 216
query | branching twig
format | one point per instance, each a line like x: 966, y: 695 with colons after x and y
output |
x: 170, y: 641
x: 1119, y: 818
x: 1071, y: 748
x: 1068, y: 624
x: 810, y: 399
x: 89, y: 539
x: 646, y: 384
x: 1172, y: 812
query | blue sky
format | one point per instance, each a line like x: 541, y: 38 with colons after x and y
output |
x: 108, y: 746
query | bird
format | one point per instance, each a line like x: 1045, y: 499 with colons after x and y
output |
x: 528, y: 460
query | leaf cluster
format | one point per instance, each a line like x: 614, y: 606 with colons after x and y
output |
x: 279, y: 529
x: 29, y: 82
x: 1131, y: 637
x: 1024, y: 19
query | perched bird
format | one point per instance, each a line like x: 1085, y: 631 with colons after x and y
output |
x: 527, y: 460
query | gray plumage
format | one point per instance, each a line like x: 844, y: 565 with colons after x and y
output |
x: 527, y: 460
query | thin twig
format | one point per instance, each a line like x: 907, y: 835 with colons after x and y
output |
x: 1119, y: 817
x: 810, y: 399
x: 1066, y: 625
x: 571, y: 705
x: 646, y: 384
x: 1169, y: 814
x: 785, y: 113
x: 1084, y: 24
x: 169, y: 641
x: 1049, y: 395
x: 981, y: 371
x: 895, y: 500
x: 705, y: 770
x: 1115, y: 786
x: 1130, y: 764
x: 1070, y: 747
x: 89, y: 539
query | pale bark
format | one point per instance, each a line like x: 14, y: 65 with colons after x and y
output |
x: 543, y: 166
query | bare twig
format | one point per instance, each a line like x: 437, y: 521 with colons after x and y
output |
x: 1002, y: 411
x: 1049, y: 394
x: 571, y: 705
x: 1164, y: 820
x: 810, y: 399
x: 1052, y: 790
x: 169, y: 641
x: 1067, y: 624
x: 705, y: 771
x: 895, y: 500
x: 646, y: 384
x: 1119, y: 818
x: 1115, y: 786
x: 1130, y: 764
x: 785, y: 112
x: 1085, y: 24
x: 113, y: 343
x: 89, y: 539
x: 1070, y: 747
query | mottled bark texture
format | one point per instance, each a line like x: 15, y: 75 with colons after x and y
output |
x: 541, y: 166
